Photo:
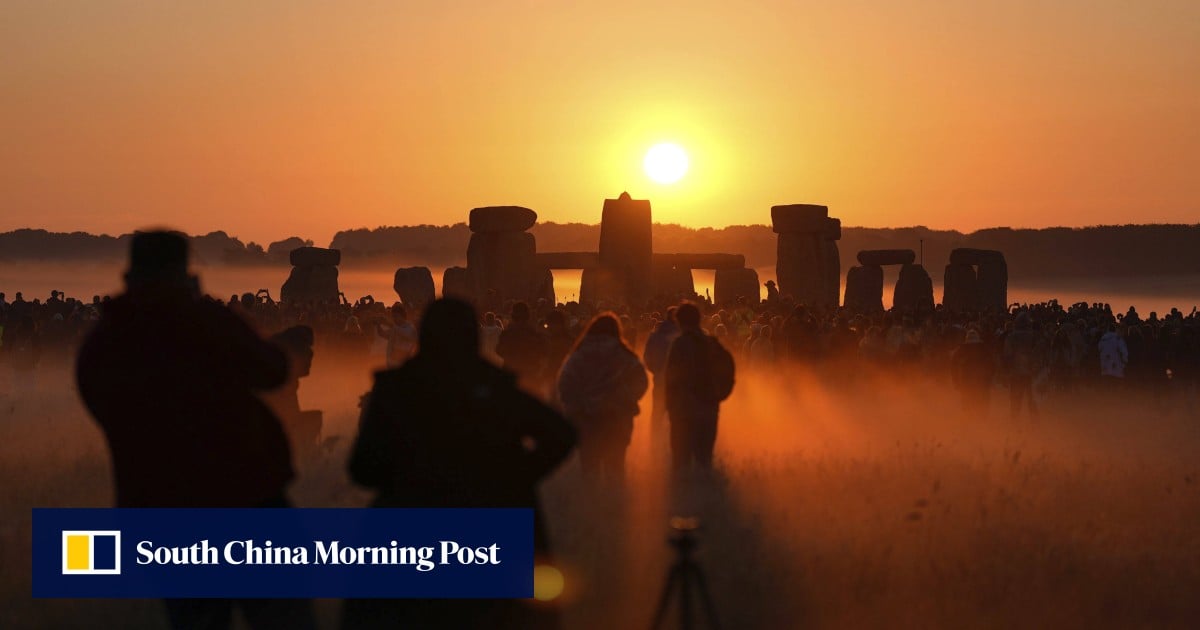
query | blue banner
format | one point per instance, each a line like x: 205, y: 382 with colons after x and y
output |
x: 290, y: 552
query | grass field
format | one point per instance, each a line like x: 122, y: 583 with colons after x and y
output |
x: 877, y: 504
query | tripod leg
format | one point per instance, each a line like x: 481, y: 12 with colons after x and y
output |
x: 664, y: 602
x: 710, y: 611
x: 685, y: 597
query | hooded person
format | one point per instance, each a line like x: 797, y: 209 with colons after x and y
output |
x: 449, y: 429
x: 600, y: 385
x: 173, y: 378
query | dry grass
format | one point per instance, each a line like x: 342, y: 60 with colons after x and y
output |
x: 876, y: 505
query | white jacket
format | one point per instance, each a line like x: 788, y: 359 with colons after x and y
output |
x: 1114, y: 354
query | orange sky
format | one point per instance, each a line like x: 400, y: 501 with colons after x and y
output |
x: 273, y: 118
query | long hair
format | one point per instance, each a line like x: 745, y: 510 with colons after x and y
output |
x: 605, y: 324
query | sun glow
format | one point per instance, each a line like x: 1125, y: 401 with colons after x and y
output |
x: 666, y: 163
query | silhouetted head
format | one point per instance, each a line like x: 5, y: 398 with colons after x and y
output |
x: 399, y: 313
x: 556, y: 320
x: 449, y: 331
x: 604, y: 325
x: 688, y: 316
x: 520, y: 312
x: 671, y: 311
x: 297, y: 341
x: 158, y: 258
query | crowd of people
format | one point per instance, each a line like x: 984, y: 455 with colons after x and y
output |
x: 528, y: 383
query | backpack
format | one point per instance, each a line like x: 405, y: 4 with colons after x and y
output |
x: 720, y: 369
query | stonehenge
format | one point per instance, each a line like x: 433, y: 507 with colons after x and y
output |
x: 503, y: 264
x: 864, y: 289
x: 457, y: 283
x: 807, y: 264
x: 626, y: 270
x: 864, y: 284
x: 314, y: 276
x: 731, y: 284
x: 501, y: 258
x: 501, y: 219
x: 914, y: 289
x: 414, y: 285
x: 976, y: 279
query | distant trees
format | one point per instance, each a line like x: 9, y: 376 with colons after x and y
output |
x: 1101, y: 251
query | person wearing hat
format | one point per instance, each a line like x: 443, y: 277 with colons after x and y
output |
x: 972, y: 367
x: 172, y: 379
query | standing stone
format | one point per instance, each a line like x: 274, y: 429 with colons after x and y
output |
x: 914, y: 289
x: 864, y: 289
x: 600, y: 285
x: 544, y: 279
x: 991, y: 274
x: 959, y: 288
x: 503, y: 262
x: 993, y: 285
x: 807, y: 265
x: 731, y: 284
x: 456, y: 282
x: 798, y: 267
x: 414, y: 285
x: 831, y: 266
x: 672, y: 281
x: 314, y: 276
x: 626, y: 246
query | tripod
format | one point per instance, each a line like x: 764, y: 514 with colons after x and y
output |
x: 687, y: 577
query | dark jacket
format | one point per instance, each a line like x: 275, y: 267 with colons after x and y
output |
x: 690, y: 392
x: 523, y: 349
x: 458, y: 435
x: 171, y: 379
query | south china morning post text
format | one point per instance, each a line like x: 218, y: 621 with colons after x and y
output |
x: 239, y: 552
x: 360, y: 553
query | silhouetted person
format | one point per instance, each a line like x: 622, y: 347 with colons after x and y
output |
x: 699, y: 376
x: 972, y: 369
x: 658, y: 344
x: 600, y: 385
x: 1022, y: 356
x: 449, y: 429
x: 401, y: 336
x: 559, y: 343
x: 523, y: 348
x: 171, y: 378
x: 1114, y: 354
x: 23, y: 350
x: 303, y: 428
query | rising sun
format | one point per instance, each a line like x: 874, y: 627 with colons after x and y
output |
x: 666, y: 163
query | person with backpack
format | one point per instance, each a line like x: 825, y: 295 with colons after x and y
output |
x: 699, y: 375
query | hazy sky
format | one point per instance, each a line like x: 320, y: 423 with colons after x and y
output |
x: 273, y: 118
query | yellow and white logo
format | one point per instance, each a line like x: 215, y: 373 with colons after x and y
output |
x: 91, y: 552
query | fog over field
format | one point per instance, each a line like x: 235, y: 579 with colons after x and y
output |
x: 82, y: 280
x: 842, y: 500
